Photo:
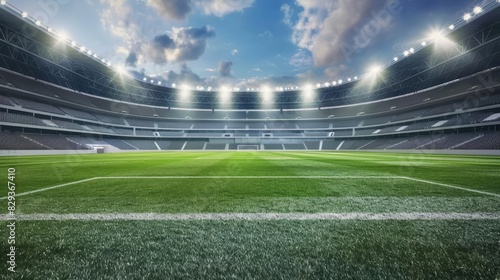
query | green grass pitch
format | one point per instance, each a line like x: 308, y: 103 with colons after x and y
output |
x: 93, y: 216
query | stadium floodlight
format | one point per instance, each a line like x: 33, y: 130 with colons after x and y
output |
x: 82, y: 49
x: 159, y: 83
x: 144, y: 79
x: 24, y: 14
x: 406, y: 53
x: 89, y: 52
x: 327, y: 84
x: 103, y: 60
x: 3, y: 2
x: 318, y: 85
x: 174, y: 85
x: 62, y: 36
x: 467, y: 17
x: 95, y: 55
x: 412, y: 50
x: 424, y: 44
x: 38, y: 23
x: 248, y: 89
x: 355, y: 78
x: 334, y: 83
x: 451, y: 27
x: 349, y: 79
x: 73, y: 43
x: 340, y: 81
x: 50, y: 30
x: 152, y: 81
x: 109, y: 63
x: 477, y: 10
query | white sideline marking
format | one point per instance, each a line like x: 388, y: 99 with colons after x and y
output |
x: 451, y: 186
x: 411, y: 216
x: 53, y: 187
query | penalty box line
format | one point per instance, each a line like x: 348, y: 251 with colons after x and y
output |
x: 258, y: 177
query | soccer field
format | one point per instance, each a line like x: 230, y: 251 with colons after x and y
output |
x: 254, y: 215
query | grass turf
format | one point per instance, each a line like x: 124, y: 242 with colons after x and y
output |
x: 256, y: 249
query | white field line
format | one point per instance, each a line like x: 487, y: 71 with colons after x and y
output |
x: 410, y: 216
x: 53, y: 187
x: 450, y: 186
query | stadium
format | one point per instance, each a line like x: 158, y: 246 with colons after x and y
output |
x: 389, y: 174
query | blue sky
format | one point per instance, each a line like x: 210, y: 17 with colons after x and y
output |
x: 247, y: 43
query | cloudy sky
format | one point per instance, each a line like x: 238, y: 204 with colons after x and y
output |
x: 247, y: 43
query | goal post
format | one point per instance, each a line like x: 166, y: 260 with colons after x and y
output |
x: 248, y: 147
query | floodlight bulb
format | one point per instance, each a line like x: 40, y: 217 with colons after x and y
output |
x: 24, y: 14
x: 38, y: 23
x: 451, y: 27
x: 478, y: 10
x: 406, y: 53
x: 467, y: 17
x: 3, y: 2
x: 396, y: 59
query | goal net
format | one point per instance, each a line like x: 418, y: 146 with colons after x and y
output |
x: 248, y: 147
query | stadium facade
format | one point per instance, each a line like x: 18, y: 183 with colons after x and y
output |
x: 55, y: 94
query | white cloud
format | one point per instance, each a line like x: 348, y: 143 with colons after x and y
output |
x: 301, y: 58
x: 117, y: 17
x: 222, y: 7
x: 328, y: 28
x: 287, y: 14
x: 171, y: 9
x: 179, y: 45
x: 265, y: 34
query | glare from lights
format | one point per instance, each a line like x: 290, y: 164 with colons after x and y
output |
x: 340, y: 82
x: 318, y: 85
x: 334, y: 83
x: 349, y: 80
x: 73, y: 43
x: 395, y: 59
x: 89, y: 52
x: 144, y: 79
x: 38, y: 23
x: 174, y: 85
x: 406, y: 53
x: 50, y: 30
x: 225, y: 94
x: 451, y: 27
x: 266, y: 94
x: 24, y: 14
x: 412, y: 50
x: 467, y: 17
x: 95, y: 55
x: 375, y: 69
x: 424, y: 44
x: 185, y: 92
x: 103, y: 60
x: 209, y: 88
x: 327, y: 84
x: 478, y: 10
x: 355, y: 78
x: 159, y: 82
x: 82, y: 48
x: 307, y: 92
x: 62, y: 36
x: 109, y: 63
x: 3, y: 2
